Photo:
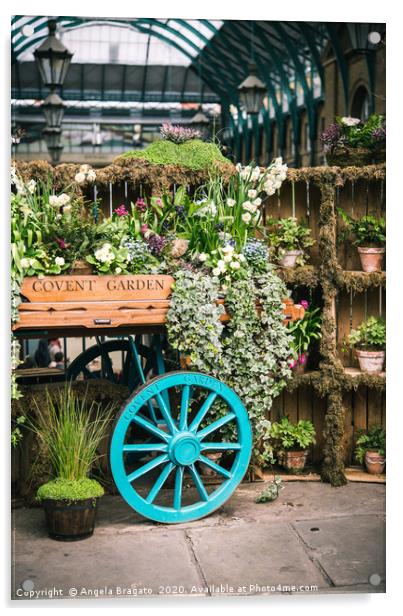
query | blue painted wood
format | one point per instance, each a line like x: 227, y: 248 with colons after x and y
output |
x: 178, y: 448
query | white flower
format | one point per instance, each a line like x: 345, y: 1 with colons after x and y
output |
x: 349, y: 121
x: 255, y: 174
x: 241, y: 258
x: 228, y: 249
x: 230, y: 202
x: 202, y: 257
x: 79, y: 177
x: 221, y: 265
x: 59, y: 261
x: 64, y: 199
x: 25, y: 263
x: 54, y: 201
x: 257, y: 202
x: 118, y: 270
x: 84, y: 169
x: 32, y: 262
x: 31, y: 186
x: 278, y: 161
x: 252, y: 193
x: 67, y: 209
x: 228, y: 258
x: 91, y: 175
x: 249, y: 207
x: 216, y: 271
x: 246, y: 217
x: 235, y: 265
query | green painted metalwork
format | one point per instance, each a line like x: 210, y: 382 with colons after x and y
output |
x: 341, y: 62
x: 180, y: 445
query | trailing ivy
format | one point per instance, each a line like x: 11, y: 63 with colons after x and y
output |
x: 251, y: 354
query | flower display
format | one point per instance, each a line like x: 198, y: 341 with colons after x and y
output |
x: 121, y: 210
x: 354, y: 133
x: 85, y: 174
x: 178, y: 134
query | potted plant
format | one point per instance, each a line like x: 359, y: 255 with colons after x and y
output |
x: 370, y: 238
x: 289, y: 241
x: 70, y: 430
x: 350, y: 141
x: 304, y: 331
x: 292, y: 441
x: 371, y: 449
x: 369, y: 341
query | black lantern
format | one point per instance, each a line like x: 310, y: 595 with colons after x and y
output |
x: 200, y: 122
x: 53, y: 109
x: 55, y: 153
x: 52, y: 136
x: 52, y: 59
x: 252, y: 92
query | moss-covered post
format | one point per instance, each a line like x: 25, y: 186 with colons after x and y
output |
x: 331, y: 367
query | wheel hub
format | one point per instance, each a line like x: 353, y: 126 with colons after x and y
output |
x: 184, y: 449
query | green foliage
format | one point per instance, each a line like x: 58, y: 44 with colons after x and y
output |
x: 373, y: 440
x: 271, y: 491
x: 194, y: 154
x: 305, y: 330
x: 370, y: 335
x: 70, y: 489
x: 362, y: 133
x: 250, y: 354
x: 288, y: 435
x: 70, y: 430
x: 287, y: 234
x: 16, y: 434
x: 367, y: 230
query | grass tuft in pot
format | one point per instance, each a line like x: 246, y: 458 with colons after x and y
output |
x: 70, y: 430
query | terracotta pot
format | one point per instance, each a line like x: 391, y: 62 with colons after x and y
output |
x: 370, y: 361
x: 374, y: 462
x: 214, y: 456
x: 294, y: 460
x: 371, y: 258
x: 70, y: 520
x: 81, y: 268
x: 290, y: 258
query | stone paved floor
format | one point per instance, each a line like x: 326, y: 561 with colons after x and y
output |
x: 314, y: 536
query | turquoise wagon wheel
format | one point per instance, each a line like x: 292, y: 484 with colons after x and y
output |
x: 200, y: 409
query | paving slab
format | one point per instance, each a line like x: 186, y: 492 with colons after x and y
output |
x: 350, y: 549
x: 241, y: 544
x: 260, y: 558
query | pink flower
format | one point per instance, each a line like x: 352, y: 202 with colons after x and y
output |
x: 121, y: 210
x: 302, y: 358
x: 141, y: 205
x: 292, y: 363
x: 143, y: 229
x: 304, y: 303
x: 61, y: 242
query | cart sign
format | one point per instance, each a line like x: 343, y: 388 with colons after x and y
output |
x: 96, y: 288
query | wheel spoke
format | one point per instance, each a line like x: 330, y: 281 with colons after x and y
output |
x: 178, y: 487
x: 218, y: 469
x: 141, y: 421
x: 198, y: 482
x: 220, y: 446
x: 165, y: 413
x: 183, y: 416
x: 159, y: 483
x: 145, y: 447
x: 146, y: 467
x: 203, y: 411
x: 217, y: 424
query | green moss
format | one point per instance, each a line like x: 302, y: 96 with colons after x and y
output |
x: 64, y: 489
x: 194, y: 154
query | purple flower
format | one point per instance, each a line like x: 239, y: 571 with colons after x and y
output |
x: 304, y: 303
x: 379, y: 134
x: 121, y: 210
x: 62, y: 243
x: 178, y: 134
x: 156, y: 244
x: 330, y: 137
